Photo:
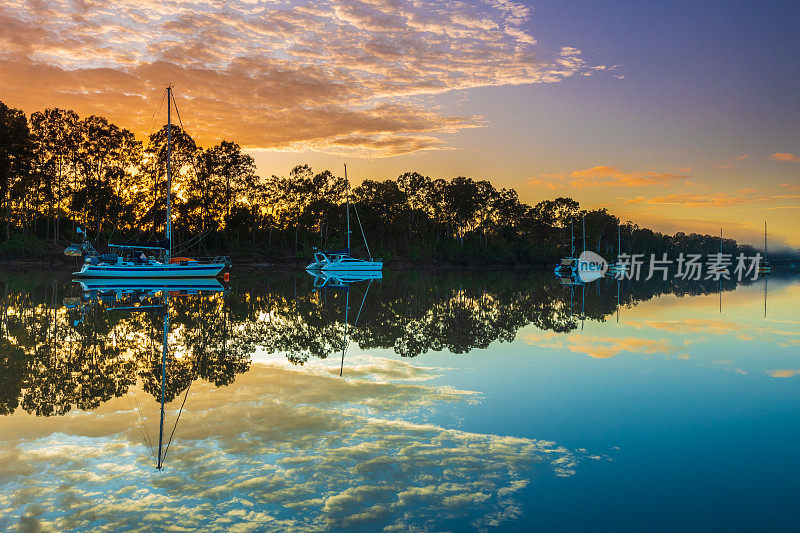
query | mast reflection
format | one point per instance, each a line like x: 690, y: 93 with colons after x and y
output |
x: 153, y: 297
x: 343, y: 281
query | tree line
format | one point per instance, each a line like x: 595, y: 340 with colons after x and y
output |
x: 59, y: 171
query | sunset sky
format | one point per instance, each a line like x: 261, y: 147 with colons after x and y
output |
x: 678, y: 115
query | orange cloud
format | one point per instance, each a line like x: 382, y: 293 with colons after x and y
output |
x: 712, y: 327
x: 602, y: 347
x: 785, y: 373
x: 604, y: 176
x: 782, y: 156
x: 697, y: 200
x: 330, y: 75
x: 742, y: 197
x: 731, y: 162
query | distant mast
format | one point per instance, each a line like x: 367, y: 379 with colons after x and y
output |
x: 584, y: 231
x: 169, y: 171
x: 572, y: 235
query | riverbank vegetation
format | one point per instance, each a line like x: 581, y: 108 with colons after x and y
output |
x: 59, y: 171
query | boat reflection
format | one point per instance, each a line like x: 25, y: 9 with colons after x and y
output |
x: 124, y: 288
x: 154, y: 298
x: 343, y: 281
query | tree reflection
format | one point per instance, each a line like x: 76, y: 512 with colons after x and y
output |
x: 55, y: 358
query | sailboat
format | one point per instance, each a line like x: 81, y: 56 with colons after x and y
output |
x: 588, y: 266
x: 568, y: 264
x: 146, y: 260
x: 340, y: 261
x: 764, y: 266
x: 617, y: 268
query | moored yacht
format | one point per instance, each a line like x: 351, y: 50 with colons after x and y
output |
x: 146, y: 260
x: 338, y: 261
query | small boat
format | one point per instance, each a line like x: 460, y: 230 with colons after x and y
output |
x: 764, y: 266
x: 334, y: 262
x: 341, y: 263
x: 573, y: 266
x: 137, y: 265
x: 568, y: 265
x: 146, y: 260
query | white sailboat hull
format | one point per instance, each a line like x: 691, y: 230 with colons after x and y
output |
x: 150, y: 271
x: 352, y: 265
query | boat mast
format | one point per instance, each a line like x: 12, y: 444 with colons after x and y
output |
x: 169, y: 171
x: 584, y: 232
x: 572, y: 235
x: 347, y: 186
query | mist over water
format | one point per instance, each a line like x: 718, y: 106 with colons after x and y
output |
x: 484, y: 399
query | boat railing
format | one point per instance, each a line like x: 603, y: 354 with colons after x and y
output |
x: 212, y: 259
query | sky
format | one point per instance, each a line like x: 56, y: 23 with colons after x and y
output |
x: 680, y: 116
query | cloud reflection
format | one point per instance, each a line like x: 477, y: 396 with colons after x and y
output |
x: 602, y: 347
x: 282, y: 448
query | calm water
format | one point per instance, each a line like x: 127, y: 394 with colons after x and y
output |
x: 468, y: 400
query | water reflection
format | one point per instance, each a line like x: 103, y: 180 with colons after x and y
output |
x: 72, y: 345
x: 258, y: 430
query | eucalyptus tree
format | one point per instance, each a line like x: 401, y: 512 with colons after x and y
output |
x: 106, y: 162
x: 236, y: 169
x: 56, y: 136
x: 15, y: 150
x: 385, y: 206
x: 416, y: 188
